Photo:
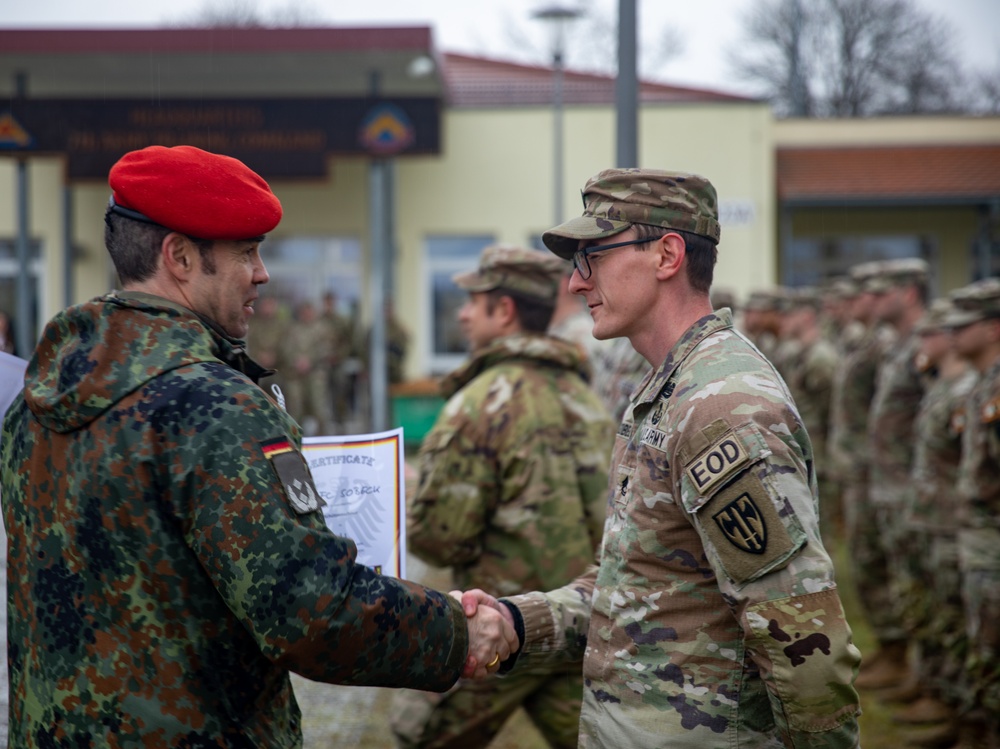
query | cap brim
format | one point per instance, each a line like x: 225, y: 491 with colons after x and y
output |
x: 471, y: 281
x: 564, y: 240
x: 960, y: 318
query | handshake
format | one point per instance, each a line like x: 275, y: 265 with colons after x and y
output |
x: 492, y: 638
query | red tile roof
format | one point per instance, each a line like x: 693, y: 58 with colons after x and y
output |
x: 904, y: 173
x: 479, y: 82
x: 102, y: 41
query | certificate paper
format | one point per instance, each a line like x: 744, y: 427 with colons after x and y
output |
x: 11, y: 380
x: 361, y: 479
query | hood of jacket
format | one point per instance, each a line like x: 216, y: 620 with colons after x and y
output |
x: 539, y: 349
x: 93, y: 355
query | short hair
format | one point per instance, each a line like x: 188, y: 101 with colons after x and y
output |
x: 134, y: 247
x: 701, y: 252
x: 533, y: 314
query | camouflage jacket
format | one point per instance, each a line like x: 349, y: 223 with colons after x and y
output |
x: 937, y: 451
x: 898, y: 391
x: 313, y: 341
x: 164, y: 572
x: 513, y: 475
x: 979, y: 474
x: 713, y: 620
x: 851, y: 398
x: 810, y: 382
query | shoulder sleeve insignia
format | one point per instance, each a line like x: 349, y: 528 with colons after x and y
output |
x: 293, y: 474
x: 743, y: 527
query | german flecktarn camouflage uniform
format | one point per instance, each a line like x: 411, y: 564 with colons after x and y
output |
x: 713, y: 619
x: 167, y: 566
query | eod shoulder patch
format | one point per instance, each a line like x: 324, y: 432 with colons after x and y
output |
x: 735, y: 507
x: 294, y: 475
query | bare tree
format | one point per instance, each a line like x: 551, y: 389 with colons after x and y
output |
x: 246, y: 14
x: 849, y: 58
x: 591, y: 41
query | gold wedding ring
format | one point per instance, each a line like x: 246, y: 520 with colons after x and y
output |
x: 495, y: 661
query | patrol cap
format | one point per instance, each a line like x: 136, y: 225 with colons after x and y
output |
x: 975, y: 302
x: 891, y: 274
x: 935, y: 317
x: 615, y: 199
x: 841, y: 287
x: 723, y: 298
x: 862, y: 272
x: 805, y: 297
x: 764, y: 300
x: 532, y: 273
x: 194, y: 192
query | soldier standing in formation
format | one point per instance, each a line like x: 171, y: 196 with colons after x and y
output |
x: 977, y: 339
x: 900, y: 291
x: 512, y: 489
x: 307, y: 347
x: 854, y: 389
x: 810, y: 381
x: 934, y: 613
x: 338, y: 329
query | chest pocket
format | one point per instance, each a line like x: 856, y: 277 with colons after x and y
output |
x: 732, y: 490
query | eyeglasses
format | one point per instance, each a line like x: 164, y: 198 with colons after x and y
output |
x: 581, y: 259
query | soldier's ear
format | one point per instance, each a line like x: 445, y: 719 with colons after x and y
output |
x: 670, y: 251
x: 177, y: 255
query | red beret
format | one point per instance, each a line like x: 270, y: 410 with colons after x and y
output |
x: 194, y: 192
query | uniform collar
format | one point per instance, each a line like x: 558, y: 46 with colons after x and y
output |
x: 650, y: 388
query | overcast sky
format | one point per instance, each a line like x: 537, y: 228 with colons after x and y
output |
x: 709, y: 27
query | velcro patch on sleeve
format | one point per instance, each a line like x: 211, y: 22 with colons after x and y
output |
x: 294, y: 475
x: 722, y: 459
x: 743, y: 526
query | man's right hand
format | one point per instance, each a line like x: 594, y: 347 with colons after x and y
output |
x: 491, y: 633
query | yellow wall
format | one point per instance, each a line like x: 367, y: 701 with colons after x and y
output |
x: 495, y: 178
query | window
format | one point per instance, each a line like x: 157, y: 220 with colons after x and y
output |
x: 811, y: 261
x: 306, y: 267
x: 9, y: 273
x: 447, y: 256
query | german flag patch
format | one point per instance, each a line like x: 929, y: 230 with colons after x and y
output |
x: 294, y: 475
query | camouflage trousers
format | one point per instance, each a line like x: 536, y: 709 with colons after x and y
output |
x: 871, y: 569
x: 831, y: 509
x: 471, y: 713
x: 308, y: 396
x: 980, y: 560
x: 936, y: 615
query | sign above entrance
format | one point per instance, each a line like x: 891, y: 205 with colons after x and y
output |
x: 278, y: 138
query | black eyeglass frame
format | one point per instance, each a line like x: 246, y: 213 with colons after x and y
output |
x: 581, y: 260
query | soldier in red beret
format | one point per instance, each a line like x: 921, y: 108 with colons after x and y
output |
x: 168, y: 564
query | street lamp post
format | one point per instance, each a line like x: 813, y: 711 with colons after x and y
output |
x: 557, y: 17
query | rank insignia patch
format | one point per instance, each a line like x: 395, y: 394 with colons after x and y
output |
x: 294, y: 475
